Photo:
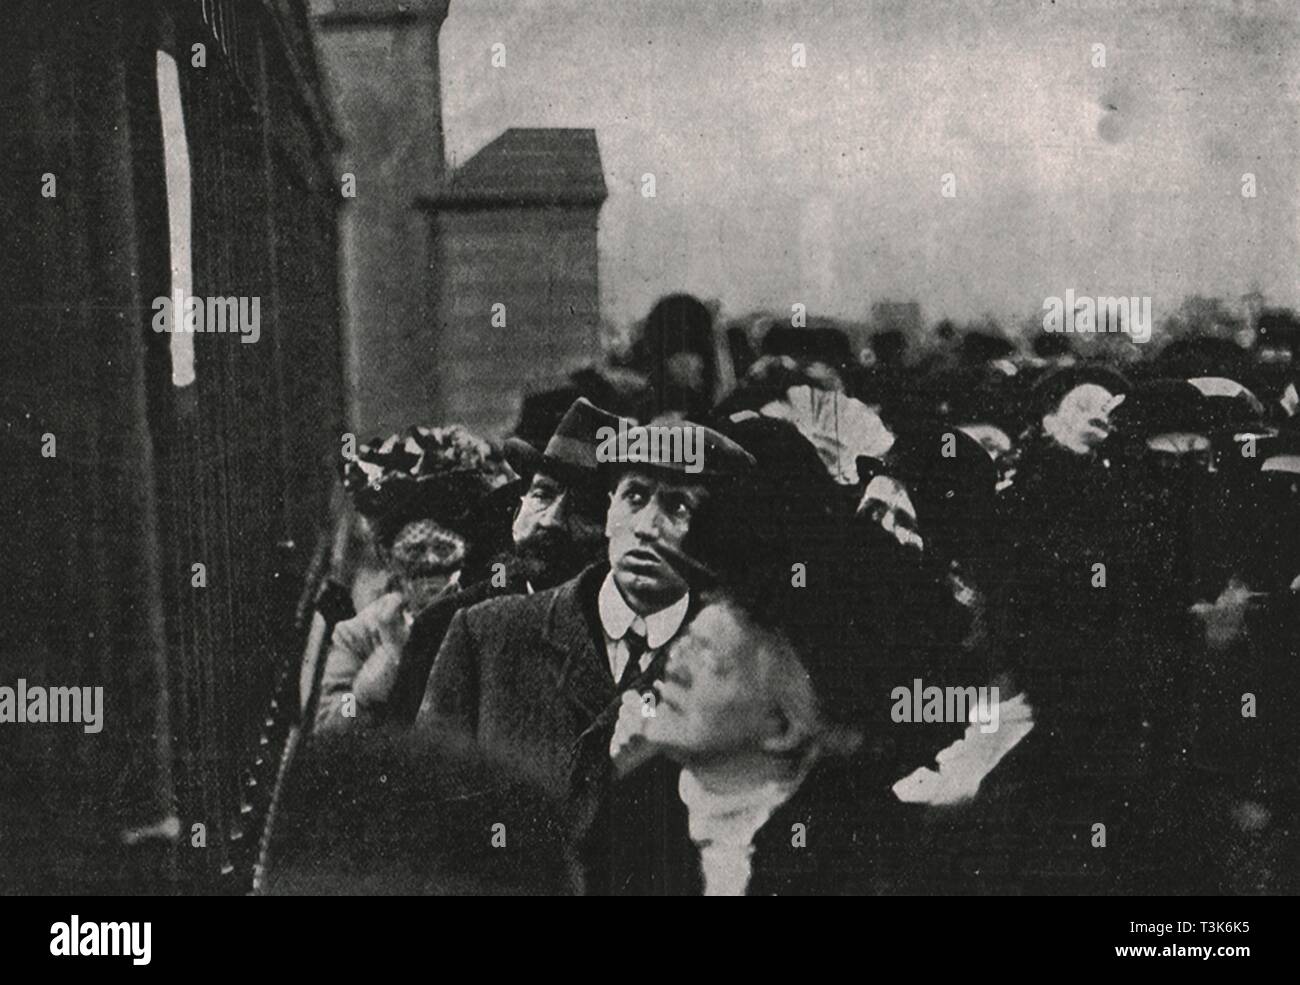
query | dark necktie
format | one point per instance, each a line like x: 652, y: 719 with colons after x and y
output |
x: 636, y: 648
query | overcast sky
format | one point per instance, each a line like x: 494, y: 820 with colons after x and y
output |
x: 822, y: 185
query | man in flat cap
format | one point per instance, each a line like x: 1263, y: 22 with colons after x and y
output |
x: 520, y: 678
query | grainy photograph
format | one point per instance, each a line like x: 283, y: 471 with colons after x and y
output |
x: 651, y: 447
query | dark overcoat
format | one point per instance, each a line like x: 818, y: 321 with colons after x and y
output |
x: 841, y: 833
x: 522, y: 677
x: 427, y: 633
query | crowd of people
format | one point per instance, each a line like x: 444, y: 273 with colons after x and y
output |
x: 600, y: 673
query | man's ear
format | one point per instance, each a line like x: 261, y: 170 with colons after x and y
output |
x: 787, y: 734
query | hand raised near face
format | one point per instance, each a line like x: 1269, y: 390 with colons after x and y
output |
x: 393, y: 630
x: 375, y: 679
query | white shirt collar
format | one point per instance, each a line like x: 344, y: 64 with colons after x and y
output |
x: 616, y: 616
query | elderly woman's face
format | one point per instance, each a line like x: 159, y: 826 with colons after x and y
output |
x: 715, y: 700
x: 422, y: 559
x: 1081, y: 421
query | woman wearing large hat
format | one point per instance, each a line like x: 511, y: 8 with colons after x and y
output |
x: 421, y: 493
x: 751, y: 771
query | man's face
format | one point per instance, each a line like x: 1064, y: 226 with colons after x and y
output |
x: 556, y: 529
x: 714, y: 700
x: 885, y: 501
x: 1176, y: 451
x: 1081, y: 421
x: 647, y: 512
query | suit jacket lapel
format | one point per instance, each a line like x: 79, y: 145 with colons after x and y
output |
x: 577, y: 643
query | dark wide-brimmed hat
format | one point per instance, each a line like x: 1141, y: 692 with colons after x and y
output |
x: 1050, y: 390
x: 437, y: 474
x: 1208, y: 405
x: 570, y: 453
x: 785, y: 494
x: 822, y: 609
x: 1229, y: 404
x: 781, y: 545
x: 944, y: 461
x: 777, y: 446
x: 1162, y: 407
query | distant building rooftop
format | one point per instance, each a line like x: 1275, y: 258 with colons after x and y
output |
x: 526, y: 166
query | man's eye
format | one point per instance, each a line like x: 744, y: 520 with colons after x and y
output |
x: 676, y: 506
x: 636, y: 493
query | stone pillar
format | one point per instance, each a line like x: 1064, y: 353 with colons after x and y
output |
x: 380, y: 61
